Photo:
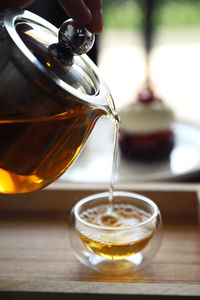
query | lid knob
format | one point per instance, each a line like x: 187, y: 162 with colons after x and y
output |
x: 72, y: 40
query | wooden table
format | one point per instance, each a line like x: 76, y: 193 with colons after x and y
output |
x: 37, y: 262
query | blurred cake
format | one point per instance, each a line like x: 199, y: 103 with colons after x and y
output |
x: 146, y: 132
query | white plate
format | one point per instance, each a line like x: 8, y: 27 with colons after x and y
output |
x: 95, y: 162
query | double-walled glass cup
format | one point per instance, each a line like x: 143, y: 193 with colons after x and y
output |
x: 117, y: 237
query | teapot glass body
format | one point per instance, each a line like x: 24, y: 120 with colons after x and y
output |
x: 47, y: 109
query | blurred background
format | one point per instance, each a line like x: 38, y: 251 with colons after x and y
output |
x: 170, y: 31
x: 157, y: 38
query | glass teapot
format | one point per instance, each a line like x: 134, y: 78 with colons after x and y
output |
x: 51, y: 96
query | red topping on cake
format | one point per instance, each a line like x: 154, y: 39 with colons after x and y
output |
x: 146, y: 96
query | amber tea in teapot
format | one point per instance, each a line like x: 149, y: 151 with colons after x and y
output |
x: 35, y: 152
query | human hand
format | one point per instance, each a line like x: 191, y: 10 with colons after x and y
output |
x: 87, y: 13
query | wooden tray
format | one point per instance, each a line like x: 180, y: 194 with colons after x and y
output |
x: 36, y: 258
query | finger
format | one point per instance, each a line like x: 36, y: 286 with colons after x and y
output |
x: 14, y: 4
x: 77, y: 10
x: 95, y: 6
x: 96, y: 26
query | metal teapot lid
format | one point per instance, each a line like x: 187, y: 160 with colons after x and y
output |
x: 46, y: 57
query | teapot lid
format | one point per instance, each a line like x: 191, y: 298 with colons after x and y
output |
x: 31, y: 39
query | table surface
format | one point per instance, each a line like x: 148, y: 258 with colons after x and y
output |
x: 35, y: 254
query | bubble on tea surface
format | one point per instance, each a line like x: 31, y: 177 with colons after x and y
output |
x: 122, y: 215
x: 110, y: 220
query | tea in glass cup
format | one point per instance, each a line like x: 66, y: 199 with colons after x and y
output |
x: 115, y: 237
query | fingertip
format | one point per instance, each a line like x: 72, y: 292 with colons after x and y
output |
x: 96, y: 26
